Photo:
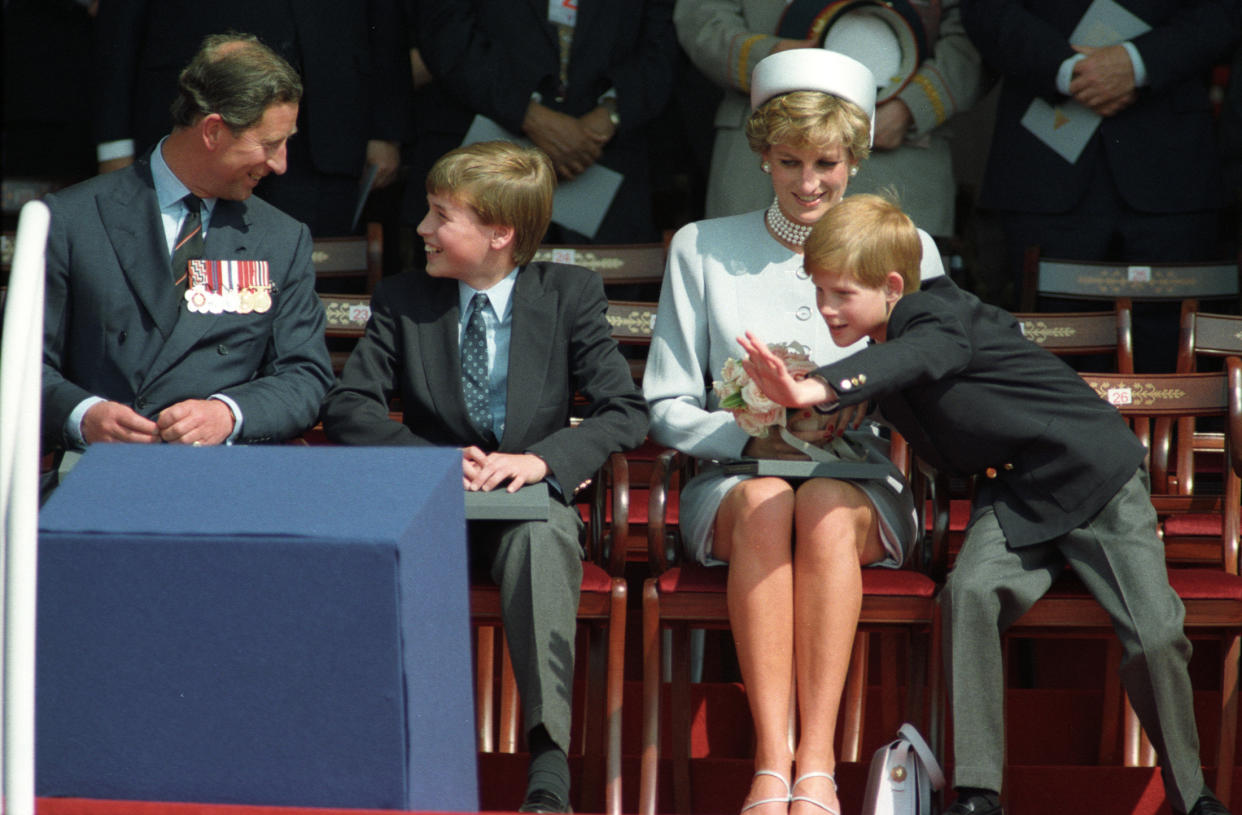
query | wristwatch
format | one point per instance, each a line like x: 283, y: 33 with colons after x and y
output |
x: 609, y: 103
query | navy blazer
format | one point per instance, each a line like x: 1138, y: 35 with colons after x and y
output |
x: 116, y: 327
x: 561, y: 343
x: 1160, y: 151
x: 969, y: 392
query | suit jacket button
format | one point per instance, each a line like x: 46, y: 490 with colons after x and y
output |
x: 844, y: 385
x: 120, y: 338
x: 1008, y: 465
x: 222, y: 350
x: 990, y: 472
x: 140, y: 403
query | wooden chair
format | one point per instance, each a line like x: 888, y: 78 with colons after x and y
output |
x: 1211, y: 595
x: 356, y: 259
x: 1140, y: 282
x: 636, y: 263
x: 1075, y: 334
x: 347, y: 316
x: 681, y: 596
x: 601, y: 619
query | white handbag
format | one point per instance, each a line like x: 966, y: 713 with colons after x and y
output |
x: 903, y: 775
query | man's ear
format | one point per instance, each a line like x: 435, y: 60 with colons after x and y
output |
x: 503, y: 236
x: 211, y: 129
x: 894, y: 286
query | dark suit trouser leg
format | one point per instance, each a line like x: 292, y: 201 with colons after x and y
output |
x: 990, y: 587
x: 539, y: 568
x: 1120, y: 559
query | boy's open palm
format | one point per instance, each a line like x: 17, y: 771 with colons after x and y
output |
x: 769, y: 372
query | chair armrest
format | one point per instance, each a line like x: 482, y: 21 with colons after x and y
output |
x: 661, y: 537
x: 608, y: 490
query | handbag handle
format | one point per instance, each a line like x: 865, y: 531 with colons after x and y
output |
x: 934, y: 772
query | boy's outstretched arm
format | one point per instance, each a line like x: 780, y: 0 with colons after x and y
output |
x: 769, y: 372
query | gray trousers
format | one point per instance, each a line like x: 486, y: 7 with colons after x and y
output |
x: 1121, y: 561
x: 538, y: 565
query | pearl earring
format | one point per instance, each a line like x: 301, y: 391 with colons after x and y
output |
x: 766, y: 167
x: 854, y: 171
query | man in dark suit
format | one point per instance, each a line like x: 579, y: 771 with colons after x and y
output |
x: 1147, y: 185
x: 1064, y: 482
x: 128, y: 355
x: 583, y: 87
x: 351, y: 57
x: 486, y: 351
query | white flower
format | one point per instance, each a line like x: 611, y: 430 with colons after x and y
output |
x: 756, y: 400
x: 756, y: 423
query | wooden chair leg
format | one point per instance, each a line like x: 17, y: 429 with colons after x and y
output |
x: 853, y: 701
x: 509, y: 707
x: 484, y: 702
x: 1228, y: 719
x: 650, y: 761
x: 614, y: 692
x: 890, y: 708
x: 681, y: 719
x: 1112, y: 706
x: 590, y: 790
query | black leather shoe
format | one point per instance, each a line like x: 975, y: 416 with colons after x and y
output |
x: 973, y: 808
x: 543, y: 801
x: 1208, y: 805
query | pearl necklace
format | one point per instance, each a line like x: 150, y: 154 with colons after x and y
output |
x: 788, y: 231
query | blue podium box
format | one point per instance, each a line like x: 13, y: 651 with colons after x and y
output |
x: 260, y: 625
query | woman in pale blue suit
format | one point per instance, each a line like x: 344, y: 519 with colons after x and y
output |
x: 794, y: 551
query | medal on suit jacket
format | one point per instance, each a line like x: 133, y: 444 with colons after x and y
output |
x: 217, y: 286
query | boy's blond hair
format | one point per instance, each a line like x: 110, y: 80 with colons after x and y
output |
x: 505, y: 184
x: 810, y: 119
x: 866, y: 237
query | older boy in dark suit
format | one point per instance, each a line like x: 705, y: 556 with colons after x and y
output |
x: 486, y: 351
x: 1065, y: 483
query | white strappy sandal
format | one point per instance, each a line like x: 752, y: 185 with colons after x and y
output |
x: 810, y: 800
x: 788, y: 791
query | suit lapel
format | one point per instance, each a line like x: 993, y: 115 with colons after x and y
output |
x: 439, y: 353
x: 540, y: 10
x: 138, y: 240
x: 530, y: 345
x: 228, y: 238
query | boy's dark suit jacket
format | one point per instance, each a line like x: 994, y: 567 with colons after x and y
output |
x: 966, y: 389
x: 561, y: 343
x: 116, y: 327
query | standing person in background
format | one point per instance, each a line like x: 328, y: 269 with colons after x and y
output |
x: 352, y: 59
x: 581, y: 83
x: 726, y: 38
x: 1147, y: 184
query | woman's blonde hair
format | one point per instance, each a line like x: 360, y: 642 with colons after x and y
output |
x: 505, y: 184
x: 866, y: 237
x: 810, y: 119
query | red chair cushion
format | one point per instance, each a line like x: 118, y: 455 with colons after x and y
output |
x: 1203, y: 524
x: 595, y: 579
x: 886, y: 582
x: 1206, y: 584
